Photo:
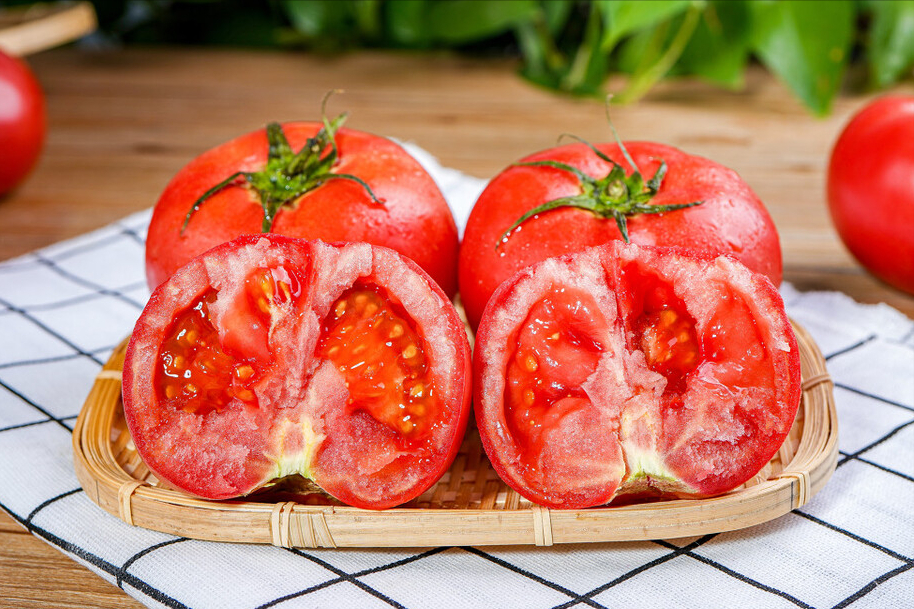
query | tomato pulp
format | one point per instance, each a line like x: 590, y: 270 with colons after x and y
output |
x: 269, y: 357
x: 631, y: 370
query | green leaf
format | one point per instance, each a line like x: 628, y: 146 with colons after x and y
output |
x: 587, y: 71
x: 659, y: 50
x: 463, y: 21
x: 313, y: 18
x: 543, y: 62
x: 623, y: 17
x: 891, y: 44
x: 719, y: 48
x: 556, y: 14
x: 406, y: 23
x: 806, y: 44
x: 422, y: 23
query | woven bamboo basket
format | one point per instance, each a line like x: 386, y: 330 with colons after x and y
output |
x: 468, y: 506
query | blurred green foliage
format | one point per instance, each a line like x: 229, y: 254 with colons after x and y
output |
x: 568, y: 45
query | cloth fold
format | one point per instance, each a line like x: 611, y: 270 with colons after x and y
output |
x: 64, y: 308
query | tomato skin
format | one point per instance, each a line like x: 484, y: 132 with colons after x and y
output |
x: 871, y: 189
x: 732, y: 219
x: 288, y: 411
x: 629, y: 426
x: 23, y: 121
x: 414, y: 218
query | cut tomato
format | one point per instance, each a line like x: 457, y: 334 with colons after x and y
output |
x: 632, y: 370
x: 268, y: 357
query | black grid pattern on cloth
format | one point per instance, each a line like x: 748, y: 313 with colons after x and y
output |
x: 505, y: 576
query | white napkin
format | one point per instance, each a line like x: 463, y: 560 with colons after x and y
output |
x: 64, y: 308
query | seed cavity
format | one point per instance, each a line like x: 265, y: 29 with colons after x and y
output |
x: 370, y: 342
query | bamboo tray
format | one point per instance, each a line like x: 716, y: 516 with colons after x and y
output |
x: 468, y: 506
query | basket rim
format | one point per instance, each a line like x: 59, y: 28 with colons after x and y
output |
x: 291, y: 524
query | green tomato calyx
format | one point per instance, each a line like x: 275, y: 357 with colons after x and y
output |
x: 288, y: 175
x: 615, y: 196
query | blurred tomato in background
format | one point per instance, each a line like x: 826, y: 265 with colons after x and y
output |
x: 23, y: 121
x: 871, y: 189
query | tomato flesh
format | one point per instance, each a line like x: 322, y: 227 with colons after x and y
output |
x: 196, y: 375
x: 270, y: 357
x: 382, y: 358
x: 629, y: 370
x: 662, y: 326
x: 555, y: 353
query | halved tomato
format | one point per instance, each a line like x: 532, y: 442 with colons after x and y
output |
x: 632, y: 370
x: 268, y: 357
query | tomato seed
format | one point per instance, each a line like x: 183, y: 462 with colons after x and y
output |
x: 380, y: 358
x: 243, y: 372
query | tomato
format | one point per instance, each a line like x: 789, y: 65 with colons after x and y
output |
x: 269, y: 357
x: 23, y: 121
x: 633, y: 371
x: 871, y: 189
x: 307, y: 180
x: 600, y: 201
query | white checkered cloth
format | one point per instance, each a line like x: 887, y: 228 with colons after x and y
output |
x: 64, y: 308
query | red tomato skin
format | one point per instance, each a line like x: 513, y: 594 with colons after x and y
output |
x: 503, y: 450
x: 23, y: 121
x: 224, y: 455
x: 871, y: 189
x: 732, y: 219
x: 414, y: 220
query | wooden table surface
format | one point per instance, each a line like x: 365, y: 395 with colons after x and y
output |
x: 121, y: 123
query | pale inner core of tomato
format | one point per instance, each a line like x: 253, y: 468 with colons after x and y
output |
x: 382, y: 359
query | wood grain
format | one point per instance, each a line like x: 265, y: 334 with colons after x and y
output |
x: 121, y: 123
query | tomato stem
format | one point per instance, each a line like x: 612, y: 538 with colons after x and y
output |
x: 615, y: 196
x: 288, y: 175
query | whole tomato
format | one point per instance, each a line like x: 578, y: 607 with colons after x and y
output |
x: 306, y: 180
x: 23, y: 121
x: 576, y: 196
x: 269, y: 357
x: 871, y: 189
x: 632, y: 370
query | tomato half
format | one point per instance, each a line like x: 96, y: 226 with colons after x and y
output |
x: 354, y: 186
x: 632, y: 370
x: 23, y: 121
x: 729, y: 220
x: 269, y: 357
x: 871, y: 189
